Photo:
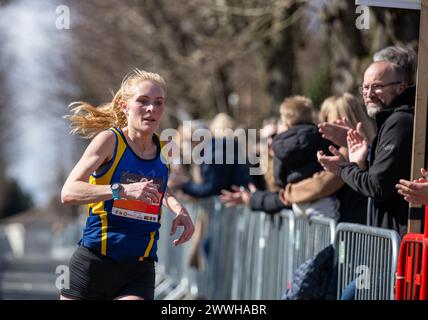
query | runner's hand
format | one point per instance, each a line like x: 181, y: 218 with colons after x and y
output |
x: 182, y: 219
x: 144, y: 191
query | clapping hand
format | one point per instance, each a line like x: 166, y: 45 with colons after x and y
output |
x: 336, y: 132
x: 358, y: 147
x: 415, y: 192
x: 332, y: 163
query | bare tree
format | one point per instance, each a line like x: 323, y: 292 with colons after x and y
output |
x: 351, y: 49
x: 213, y: 52
x: 198, y: 46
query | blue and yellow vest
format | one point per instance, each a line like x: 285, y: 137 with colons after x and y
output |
x: 126, y: 230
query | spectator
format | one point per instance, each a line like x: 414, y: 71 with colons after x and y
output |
x: 391, y: 104
x: 265, y: 197
x: 295, y: 154
x: 353, y: 206
x: 416, y: 191
x: 181, y: 168
x: 217, y: 175
x: 405, y: 58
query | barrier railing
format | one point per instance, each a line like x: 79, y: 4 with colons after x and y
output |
x: 311, y: 236
x: 173, y: 275
x: 248, y: 255
x: 253, y: 255
x: 367, y: 261
x: 262, y: 259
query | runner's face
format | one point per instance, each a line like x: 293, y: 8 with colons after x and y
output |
x: 146, y: 106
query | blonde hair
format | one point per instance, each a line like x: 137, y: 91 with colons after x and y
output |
x: 87, y: 120
x: 270, y: 176
x: 347, y: 106
x: 267, y: 162
x: 220, y: 124
x: 295, y: 110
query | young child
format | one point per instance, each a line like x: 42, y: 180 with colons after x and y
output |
x: 295, y: 152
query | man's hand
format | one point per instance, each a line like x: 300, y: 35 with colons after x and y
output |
x: 415, y: 192
x: 182, y: 219
x: 332, y: 163
x: 358, y: 147
x: 424, y: 173
x: 282, y: 198
x: 335, y: 132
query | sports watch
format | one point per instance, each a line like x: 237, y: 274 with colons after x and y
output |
x: 115, y: 188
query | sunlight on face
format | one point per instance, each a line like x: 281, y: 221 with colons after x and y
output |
x: 381, y: 75
x: 146, y: 106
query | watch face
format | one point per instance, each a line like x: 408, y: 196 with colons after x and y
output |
x: 115, y: 186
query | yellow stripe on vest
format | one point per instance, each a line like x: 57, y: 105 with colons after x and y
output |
x: 149, y: 246
x: 105, y: 179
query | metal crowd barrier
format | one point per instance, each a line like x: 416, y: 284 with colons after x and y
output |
x: 367, y: 261
x: 172, y: 273
x: 248, y: 255
x: 311, y: 235
x: 262, y: 260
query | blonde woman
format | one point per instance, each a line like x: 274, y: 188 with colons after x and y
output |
x: 122, y: 177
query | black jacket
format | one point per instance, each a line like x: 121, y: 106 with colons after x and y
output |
x: 295, y: 153
x: 266, y: 201
x: 313, y: 277
x: 390, y: 161
x: 353, y: 205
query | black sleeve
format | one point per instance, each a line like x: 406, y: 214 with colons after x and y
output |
x: 279, y: 172
x: 259, y: 181
x: 391, y: 163
x: 266, y: 201
x: 214, y: 180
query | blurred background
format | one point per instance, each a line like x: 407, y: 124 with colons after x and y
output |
x: 233, y: 56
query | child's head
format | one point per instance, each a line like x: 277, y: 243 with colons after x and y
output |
x: 295, y: 110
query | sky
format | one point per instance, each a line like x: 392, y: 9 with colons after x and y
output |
x: 37, y: 81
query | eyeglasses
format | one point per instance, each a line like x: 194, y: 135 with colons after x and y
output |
x: 377, y: 88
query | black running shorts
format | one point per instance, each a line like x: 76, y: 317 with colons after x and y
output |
x: 97, y: 277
